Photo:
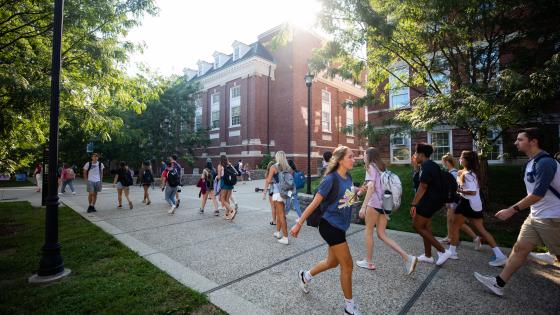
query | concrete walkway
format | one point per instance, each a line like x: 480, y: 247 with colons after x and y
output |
x: 244, y: 270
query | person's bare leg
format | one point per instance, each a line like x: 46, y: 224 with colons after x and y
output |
x: 281, y: 219
x: 420, y: 225
x: 203, y: 201
x: 371, y: 218
x: 119, y: 196
x: 479, y: 224
x: 326, y: 264
x: 214, y: 201
x: 450, y: 213
x: 516, y: 259
x: 273, y: 209
x: 344, y: 258
x: 381, y: 233
x: 458, y: 221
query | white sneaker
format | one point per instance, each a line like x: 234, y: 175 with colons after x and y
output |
x: 423, y: 258
x: 283, y: 240
x: 73, y: 193
x: 477, y: 243
x: 498, y: 262
x: 277, y: 235
x: 490, y: 283
x: 443, y: 257
x: 454, y: 256
x: 546, y: 258
x: 364, y: 264
x: 352, y: 312
x: 410, y: 264
x: 302, y: 283
x: 172, y: 210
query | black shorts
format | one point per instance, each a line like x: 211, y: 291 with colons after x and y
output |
x: 331, y: 235
x: 428, y: 210
x: 464, y: 208
x: 381, y: 211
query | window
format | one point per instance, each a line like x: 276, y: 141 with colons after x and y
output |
x: 398, y: 94
x: 349, y: 118
x: 236, y: 53
x: 216, y: 62
x: 441, y: 142
x: 326, y: 111
x: 482, y: 62
x: 197, y: 114
x: 400, y: 148
x: 235, y: 106
x: 496, y: 152
x: 442, y: 82
x: 215, y: 111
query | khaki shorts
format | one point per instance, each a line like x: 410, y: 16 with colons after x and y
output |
x: 542, y: 232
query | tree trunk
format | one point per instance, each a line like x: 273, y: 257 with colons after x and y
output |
x: 483, y: 181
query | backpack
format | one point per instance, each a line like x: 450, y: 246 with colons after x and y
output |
x: 127, y: 178
x: 286, y: 184
x: 173, y: 177
x: 534, y: 168
x: 70, y: 174
x: 98, y: 164
x: 315, y: 216
x: 449, y: 187
x: 392, y: 190
x: 299, y: 179
x: 147, y: 177
x: 230, y: 175
x: 210, y: 178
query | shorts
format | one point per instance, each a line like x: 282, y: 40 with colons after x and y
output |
x: 332, y: 235
x: 121, y: 186
x: 278, y: 198
x: 541, y: 232
x: 381, y: 211
x: 223, y: 186
x: 94, y: 187
x: 427, y: 211
x: 464, y: 208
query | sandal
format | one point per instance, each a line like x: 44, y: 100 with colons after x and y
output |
x: 272, y: 223
x: 233, y: 215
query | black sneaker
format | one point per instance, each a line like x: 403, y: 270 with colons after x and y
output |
x: 201, y: 210
x: 93, y: 209
x: 90, y: 209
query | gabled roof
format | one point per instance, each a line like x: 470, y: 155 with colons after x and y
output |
x: 256, y: 49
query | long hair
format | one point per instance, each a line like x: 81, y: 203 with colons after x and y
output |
x: 268, y: 167
x: 338, y: 154
x: 448, y: 157
x: 374, y: 157
x: 206, y: 174
x: 224, y: 160
x: 280, y: 158
x: 209, y: 165
x: 473, y: 165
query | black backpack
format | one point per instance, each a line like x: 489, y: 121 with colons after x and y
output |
x: 173, y: 177
x: 127, y: 178
x: 210, y: 178
x: 147, y: 177
x: 449, y: 187
x: 332, y: 197
x: 230, y: 175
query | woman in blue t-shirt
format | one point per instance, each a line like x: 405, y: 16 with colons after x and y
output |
x: 334, y: 223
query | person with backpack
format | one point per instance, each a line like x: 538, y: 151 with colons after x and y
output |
x: 227, y: 176
x: 93, y: 175
x: 541, y: 175
x: 123, y: 180
x: 450, y: 178
x: 470, y: 206
x: 375, y: 212
x: 428, y: 200
x: 146, y: 179
x: 268, y: 191
x: 178, y: 168
x: 299, y: 182
x: 170, y: 180
x: 67, y: 177
x: 207, y: 179
x: 332, y: 208
x: 282, y: 182
x: 38, y: 174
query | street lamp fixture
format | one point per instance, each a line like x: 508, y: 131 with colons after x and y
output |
x: 308, y: 83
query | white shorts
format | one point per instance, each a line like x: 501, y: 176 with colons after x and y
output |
x: 278, y: 198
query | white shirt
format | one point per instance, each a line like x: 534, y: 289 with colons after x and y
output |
x: 549, y: 206
x: 471, y: 184
x: 93, y: 174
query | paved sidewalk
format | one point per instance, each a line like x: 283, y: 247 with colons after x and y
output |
x: 243, y: 270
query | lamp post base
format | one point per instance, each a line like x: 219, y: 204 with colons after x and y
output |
x: 46, y: 279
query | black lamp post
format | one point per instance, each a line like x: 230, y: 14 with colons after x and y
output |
x: 51, y: 266
x: 308, y: 82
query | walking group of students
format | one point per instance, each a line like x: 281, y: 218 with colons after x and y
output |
x: 332, y: 214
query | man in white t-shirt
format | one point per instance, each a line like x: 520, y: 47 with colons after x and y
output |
x: 93, y: 175
x: 542, y: 226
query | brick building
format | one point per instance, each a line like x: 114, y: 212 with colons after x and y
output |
x: 254, y: 100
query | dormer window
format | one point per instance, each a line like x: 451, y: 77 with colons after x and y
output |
x: 216, y: 62
x: 236, y: 52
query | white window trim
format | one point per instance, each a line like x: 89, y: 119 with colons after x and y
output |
x: 198, y: 113
x: 391, y: 106
x: 329, y: 111
x: 231, y: 125
x: 211, y: 105
x: 351, y: 111
x: 450, y: 139
x: 407, y: 136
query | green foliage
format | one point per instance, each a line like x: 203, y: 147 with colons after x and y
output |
x: 265, y: 160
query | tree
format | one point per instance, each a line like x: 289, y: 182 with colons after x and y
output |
x: 94, y: 84
x: 450, y: 51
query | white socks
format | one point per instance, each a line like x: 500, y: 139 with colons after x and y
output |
x: 307, y: 276
x: 453, y: 249
x: 349, y: 304
x: 497, y: 252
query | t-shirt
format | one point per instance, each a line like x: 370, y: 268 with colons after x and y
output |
x: 93, y: 174
x: 340, y: 213
x: 121, y: 173
x: 430, y: 174
x: 547, y: 173
x: 376, y: 199
x: 471, y: 184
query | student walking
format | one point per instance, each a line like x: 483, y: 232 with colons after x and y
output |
x: 93, y: 174
x: 294, y: 200
x: 427, y: 201
x: 274, y: 179
x: 372, y: 210
x: 123, y: 180
x: 170, y: 184
x: 177, y: 168
x: 449, y: 164
x: 334, y: 223
x: 38, y: 174
x: 146, y: 179
x: 268, y: 191
x: 470, y: 206
x: 227, y: 175
x: 67, y: 177
x: 207, y: 179
x: 542, y: 226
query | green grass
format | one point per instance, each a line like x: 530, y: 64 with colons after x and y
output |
x: 506, y: 187
x: 13, y: 183
x: 106, y: 278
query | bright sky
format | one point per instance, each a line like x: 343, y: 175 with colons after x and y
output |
x: 188, y: 30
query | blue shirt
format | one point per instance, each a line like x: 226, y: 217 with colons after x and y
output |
x: 339, y: 213
x: 546, y: 175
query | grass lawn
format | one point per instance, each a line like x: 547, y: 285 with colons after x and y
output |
x: 13, y: 183
x: 106, y: 278
x: 506, y: 188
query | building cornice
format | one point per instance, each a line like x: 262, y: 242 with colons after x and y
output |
x: 249, y: 67
x: 343, y: 86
